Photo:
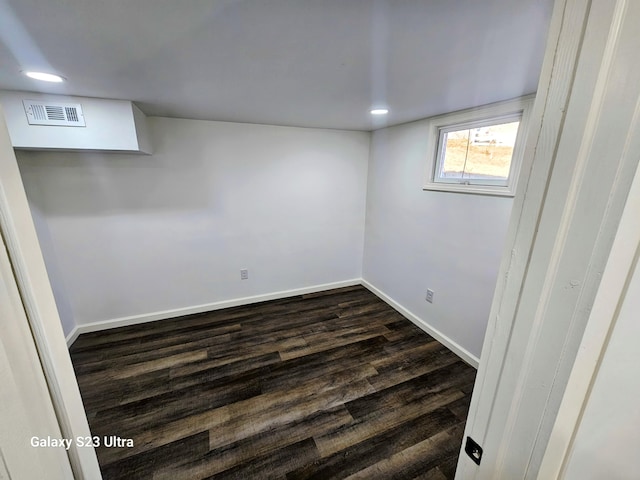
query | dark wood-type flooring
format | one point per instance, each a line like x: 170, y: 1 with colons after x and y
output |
x: 328, y: 385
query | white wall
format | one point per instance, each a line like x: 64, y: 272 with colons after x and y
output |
x: 416, y: 239
x: 133, y: 235
x: 127, y: 235
x: 53, y: 269
x: 607, y: 439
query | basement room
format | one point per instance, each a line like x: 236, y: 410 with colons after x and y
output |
x: 266, y: 239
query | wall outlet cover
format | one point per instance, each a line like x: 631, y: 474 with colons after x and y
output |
x: 429, y: 296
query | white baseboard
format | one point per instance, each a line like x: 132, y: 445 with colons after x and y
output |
x: 439, y: 336
x: 178, y: 312
x: 73, y: 335
x: 208, y: 307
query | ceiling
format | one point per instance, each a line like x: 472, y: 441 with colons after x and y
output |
x: 309, y: 63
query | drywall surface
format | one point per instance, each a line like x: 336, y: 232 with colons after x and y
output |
x: 134, y: 235
x: 53, y: 270
x: 606, y: 441
x: 416, y: 240
x: 116, y: 125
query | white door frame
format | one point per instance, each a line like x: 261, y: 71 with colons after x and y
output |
x: 26, y: 409
x: 31, y: 277
x: 623, y: 263
x: 578, y: 158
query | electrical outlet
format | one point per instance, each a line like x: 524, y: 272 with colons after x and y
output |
x: 244, y: 274
x: 429, y: 296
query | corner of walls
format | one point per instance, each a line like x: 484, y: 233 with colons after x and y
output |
x: 451, y: 344
x: 421, y: 323
x: 134, y: 237
x: 417, y: 240
x: 47, y: 247
x: 366, y: 202
x: 384, y: 169
x: 72, y: 336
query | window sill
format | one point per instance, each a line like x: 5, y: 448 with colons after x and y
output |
x: 470, y: 189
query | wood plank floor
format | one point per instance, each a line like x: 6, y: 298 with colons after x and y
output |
x: 329, y: 385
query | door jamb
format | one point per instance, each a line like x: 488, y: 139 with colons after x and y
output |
x: 37, y: 297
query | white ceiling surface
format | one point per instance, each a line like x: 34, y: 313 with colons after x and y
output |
x: 310, y: 63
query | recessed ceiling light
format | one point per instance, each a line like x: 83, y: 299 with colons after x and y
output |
x: 45, y: 77
x: 379, y: 111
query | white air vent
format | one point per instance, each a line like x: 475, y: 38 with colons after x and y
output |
x: 48, y: 113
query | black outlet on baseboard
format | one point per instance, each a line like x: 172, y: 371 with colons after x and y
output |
x: 473, y: 450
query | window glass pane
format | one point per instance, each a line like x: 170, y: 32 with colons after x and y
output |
x: 456, y: 145
x: 490, y: 152
x: 478, y: 154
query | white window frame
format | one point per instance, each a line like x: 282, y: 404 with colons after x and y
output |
x: 495, y: 113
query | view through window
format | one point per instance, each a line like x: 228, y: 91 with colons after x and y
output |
x: 478, y: 155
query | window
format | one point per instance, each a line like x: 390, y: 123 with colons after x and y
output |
x: 478, y: 150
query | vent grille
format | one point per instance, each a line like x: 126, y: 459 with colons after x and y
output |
x: 72, y: 114
x: 55, y: 114
x: 39, y: 112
